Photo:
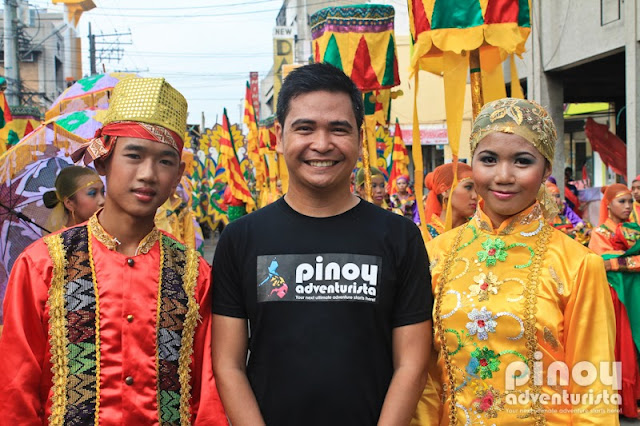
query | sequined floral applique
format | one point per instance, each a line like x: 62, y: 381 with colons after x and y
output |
x: 489, y: 401
x: 485, y: 285
x: 484, y: 362
x: 482, y: 323
x: 494, y: 249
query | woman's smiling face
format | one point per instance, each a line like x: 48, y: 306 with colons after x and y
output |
x: 508, y: 172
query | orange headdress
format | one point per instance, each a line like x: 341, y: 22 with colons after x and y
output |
x: 552, y: 188
x: 438, y: 182
x: 611, y: 192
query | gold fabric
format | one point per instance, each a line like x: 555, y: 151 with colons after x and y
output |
x: 177, y: 219
x: 509, y: 295
x: 520, y: 117
x: 148, y: 100
x: 112, y: 243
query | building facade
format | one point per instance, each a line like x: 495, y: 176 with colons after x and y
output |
x: 50, y: 55
x: 586, y: 51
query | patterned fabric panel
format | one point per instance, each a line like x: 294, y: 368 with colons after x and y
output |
x: 171, y: 318
x: 80, y: 305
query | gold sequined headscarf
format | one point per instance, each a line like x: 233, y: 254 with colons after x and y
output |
x: 526, y: 119
x: 521, y: 117
x: 146, y: 108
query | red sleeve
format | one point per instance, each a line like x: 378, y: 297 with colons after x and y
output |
x: 206, y: 406
x: 24, y: 340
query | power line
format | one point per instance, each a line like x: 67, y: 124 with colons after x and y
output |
x: 297, y: 6
x: 192, y: 7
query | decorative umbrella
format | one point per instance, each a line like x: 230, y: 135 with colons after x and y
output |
x: 360, y: 41
x: 90, y: 92
x: 27, y: 171
x: 461, y: 37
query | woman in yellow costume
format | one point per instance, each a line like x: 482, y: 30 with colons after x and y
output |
x: 615, y: 239
x: 519, y: 306
x: 463, y: 203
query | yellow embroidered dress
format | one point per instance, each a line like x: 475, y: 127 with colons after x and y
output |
x: 509, y: 301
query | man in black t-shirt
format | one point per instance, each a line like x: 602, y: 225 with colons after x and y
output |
x: 335, y: 290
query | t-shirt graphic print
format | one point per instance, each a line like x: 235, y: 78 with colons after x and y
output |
x: 326, y: 277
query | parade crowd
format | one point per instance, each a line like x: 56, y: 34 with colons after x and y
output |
x: 330, y: 305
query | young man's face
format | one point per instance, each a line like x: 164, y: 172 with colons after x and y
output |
x: 635, y: 190
x: 320, y: 141
x: 141, y: 174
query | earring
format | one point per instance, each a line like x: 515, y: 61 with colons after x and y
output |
x: 73, y: 217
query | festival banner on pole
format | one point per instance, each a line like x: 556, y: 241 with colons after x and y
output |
x: 229, y: 160
x: 253, y: 140
x: 255, y: 92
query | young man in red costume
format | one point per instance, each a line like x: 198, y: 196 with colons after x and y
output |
x: 108, y: 322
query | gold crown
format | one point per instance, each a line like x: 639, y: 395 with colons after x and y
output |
x: 148, y: 100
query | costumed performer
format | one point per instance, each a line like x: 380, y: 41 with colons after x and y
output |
x: 635, y: 191
x: 563, y: 207
x: 108, y: 322
x: 516, y: 296
x: 615, y: 239
x: 378, y: 188
x: 404, y: 200
x: 78, y: 194
x: 176, y: 218
x: 463, y: 202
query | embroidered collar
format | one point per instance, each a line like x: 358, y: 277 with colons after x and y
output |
x: 526, y: 217
x: 112, y: 243
x: 437, y: 224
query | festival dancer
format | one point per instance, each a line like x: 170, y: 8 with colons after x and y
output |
x: 404, y: 200
x: 635, y: 191
x: 378, y: 188
x: 347, y: 345
x: 78, y: 194
x: 108, y: 322
x: 566, y: 220
x: 463, y: 202
x: 615, y: 239
x: 516, y: 299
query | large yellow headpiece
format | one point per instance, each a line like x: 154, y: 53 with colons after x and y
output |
x: 148, y: 100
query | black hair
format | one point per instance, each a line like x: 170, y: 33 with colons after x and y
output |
x: 314, y: 78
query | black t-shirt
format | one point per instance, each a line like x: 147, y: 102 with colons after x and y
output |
x: 322, y: 296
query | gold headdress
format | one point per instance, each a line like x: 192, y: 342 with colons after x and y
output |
x: 526, y: 119
x: 520, y: 117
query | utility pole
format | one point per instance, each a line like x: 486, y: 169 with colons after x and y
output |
x: 11, y: 62
x: 92, y: 52
x: 111, y: 52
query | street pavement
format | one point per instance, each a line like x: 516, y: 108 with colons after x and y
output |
x: 210, y: 247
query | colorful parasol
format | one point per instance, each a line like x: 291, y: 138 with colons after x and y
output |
x: 467, y: 37
x: 27, y: 171
x: 91, y: 92
x: 360, y: 41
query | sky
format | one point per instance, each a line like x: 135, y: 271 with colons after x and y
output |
x: 204, y: 48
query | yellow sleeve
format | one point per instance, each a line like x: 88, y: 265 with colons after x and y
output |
x: 188, y: 232
x: 590, y: 335
x: 429, y: 409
